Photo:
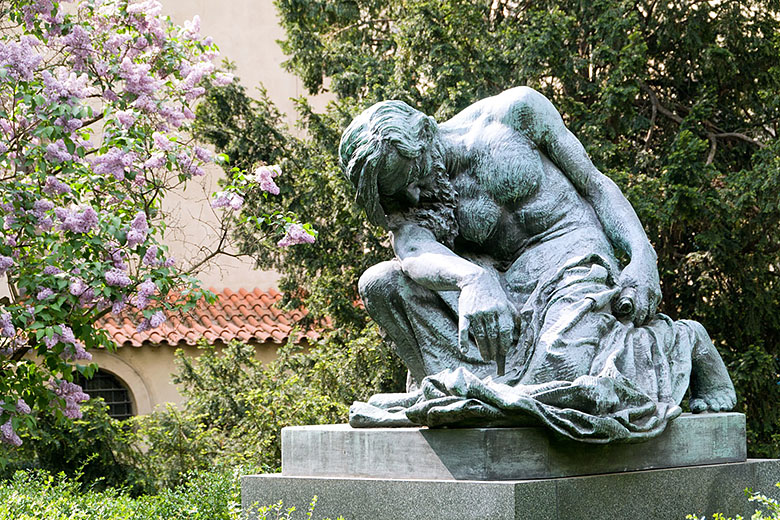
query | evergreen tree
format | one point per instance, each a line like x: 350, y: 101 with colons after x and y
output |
x: 675, y: 101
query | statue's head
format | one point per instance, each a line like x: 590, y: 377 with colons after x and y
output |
x: 384, y: 151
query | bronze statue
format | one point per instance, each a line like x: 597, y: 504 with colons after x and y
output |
x: 506, y: 300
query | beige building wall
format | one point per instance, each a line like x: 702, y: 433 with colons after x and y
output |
x: 147, y: 371
x: 246, y: 32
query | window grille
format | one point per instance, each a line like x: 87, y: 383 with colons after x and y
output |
x: 112, y: 390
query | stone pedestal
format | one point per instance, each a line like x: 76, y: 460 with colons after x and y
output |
x: 337, y: 450
x: 697, y: 466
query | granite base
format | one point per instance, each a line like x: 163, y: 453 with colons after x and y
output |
x: 665, y: 494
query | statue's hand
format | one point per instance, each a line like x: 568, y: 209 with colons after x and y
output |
x: 487, y: 314
x: 640, y: 292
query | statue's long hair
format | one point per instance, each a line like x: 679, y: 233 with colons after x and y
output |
x: 364, y: 147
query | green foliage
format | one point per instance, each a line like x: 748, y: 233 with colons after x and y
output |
x: 236, y: 406
x: 96, y: 450
x: 324, y: 274
x: 42, y: 495
x: 771, y: 506
x: 675, y: 101
x: 207, y: 495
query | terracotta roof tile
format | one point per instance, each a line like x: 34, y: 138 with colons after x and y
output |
x: 242, y: 315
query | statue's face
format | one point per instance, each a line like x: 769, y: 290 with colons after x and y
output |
x: 399, y: 178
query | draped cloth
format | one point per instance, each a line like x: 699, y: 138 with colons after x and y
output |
x: 576, y: 368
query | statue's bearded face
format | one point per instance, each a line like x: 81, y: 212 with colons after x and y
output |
x: 402, y: 178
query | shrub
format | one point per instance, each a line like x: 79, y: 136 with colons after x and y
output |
x: 96, y: 450
x: 770, y: 504
x: 236, y: 406
x: 206, y: 495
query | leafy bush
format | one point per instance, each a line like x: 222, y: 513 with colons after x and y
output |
x: 212, y: 495
x: 236, y: 406
x: 770, y: 504
x: 96, y: 450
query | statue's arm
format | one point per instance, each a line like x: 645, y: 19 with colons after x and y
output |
x: 532, y: 113
x: 483, y: 307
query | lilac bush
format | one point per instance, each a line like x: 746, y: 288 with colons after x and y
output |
x: 262, y: 180
x: 95, y: 107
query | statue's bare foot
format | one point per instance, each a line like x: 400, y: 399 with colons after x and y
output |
x: 711, y: 386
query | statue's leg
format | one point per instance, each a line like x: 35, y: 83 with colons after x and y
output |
x: 711, y: 387
x: 422, y: 326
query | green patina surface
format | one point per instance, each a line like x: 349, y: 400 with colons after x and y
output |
x: 506, y: 298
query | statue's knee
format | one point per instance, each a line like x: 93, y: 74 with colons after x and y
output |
x: 380, y: 282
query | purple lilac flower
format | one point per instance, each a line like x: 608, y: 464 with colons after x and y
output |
x: 77, y: 286
x: 264, y: 176
x: 8, y: 435
x: 117, y: 278
x: 5, y: 263
x: 7, y: 129
x: 43, y: 205
x: 118, y: 259
x: 150, y: 257
x: 222, y: 79
x: 75, y: 351
x: 145, y: 103
x: 194, y: 93
x: 115, y: 162
x: 19, y: 58
x: 139, y: 227
x: 195, y: 74
x: 126, y: 118
x: 7, y: 327
x: 175, y: 116
x: 50, y: 269
x: 145, y: 290
x: 162, y: 142
x: 138, y: 79
x: 157, y: 160
x: 79, y: 44
x: 77, y: 221
x: 191, y: 29
x: 55, y: 187
x: 143, y: 326
x: 119, y: 305
x: 295, y: 235
x: 39, y: 210
x: 22, y: 407
x: 57, y: 152
x: 227, y: 199
x: 87, y: 298
x: 73, y: 394
x: 203, y: 154
x: 157, y: 319
x: 67, y: 335
x: 43, y: 293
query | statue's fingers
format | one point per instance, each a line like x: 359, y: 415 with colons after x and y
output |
x: 642, y: 310
x: 464, y: 324
x: 491, y: 336
x: 506, y: 329
x: 477, y: 327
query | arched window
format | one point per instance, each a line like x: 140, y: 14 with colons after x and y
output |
x: 112, y: 390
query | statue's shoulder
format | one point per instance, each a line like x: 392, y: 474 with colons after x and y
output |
x: 520, y: 102
x: 505, y: 107
x: 523, y: 109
